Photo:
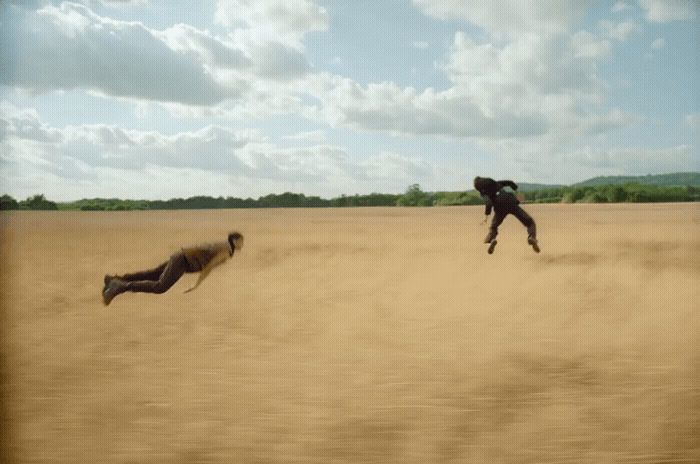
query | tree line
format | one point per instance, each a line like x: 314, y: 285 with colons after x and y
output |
x: 413, y: 196
x: 627, y: 193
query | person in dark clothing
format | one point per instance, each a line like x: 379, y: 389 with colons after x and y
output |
x: 200, y: 259
x: 503, y: 203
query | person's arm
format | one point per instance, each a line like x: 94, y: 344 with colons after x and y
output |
x: 489, y: 206
x: 508, y: 183
x: 217, y: 260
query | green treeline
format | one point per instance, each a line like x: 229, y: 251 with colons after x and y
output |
x: 36, y: 202
x: 414, y: 196
x: 627, y: 193
x: 284, y: 200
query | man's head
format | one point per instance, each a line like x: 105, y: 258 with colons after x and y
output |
x: 479, y: 183
x: 235, y: 239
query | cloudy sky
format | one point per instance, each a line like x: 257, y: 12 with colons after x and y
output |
x: 160, y: 99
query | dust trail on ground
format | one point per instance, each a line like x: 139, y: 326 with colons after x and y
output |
x: 356, y: 335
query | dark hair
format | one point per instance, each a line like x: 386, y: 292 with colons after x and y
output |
x: 232, y: 237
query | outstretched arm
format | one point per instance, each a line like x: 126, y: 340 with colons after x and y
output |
x: 217, y: 260
x: 508, y: 183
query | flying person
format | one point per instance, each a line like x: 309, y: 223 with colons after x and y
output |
x: 200, y: 259
x: 503, y: 203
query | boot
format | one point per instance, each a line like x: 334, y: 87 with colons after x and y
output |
x: 533, y: 242
x: 492, y: 246
x: 112, y: 289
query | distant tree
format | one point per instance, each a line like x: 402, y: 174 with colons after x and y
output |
x: 38, y: 202
x: 616, y: 194
x: 8, y: 203
x: 414, y: 196
x: 568, y: 197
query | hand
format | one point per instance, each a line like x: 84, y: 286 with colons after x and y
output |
x: 484, y: 221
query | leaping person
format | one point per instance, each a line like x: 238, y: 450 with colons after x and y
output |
x: 503, y: 203
x: 200, y: 259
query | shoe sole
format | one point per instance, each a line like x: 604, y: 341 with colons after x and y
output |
x: 492, y: 247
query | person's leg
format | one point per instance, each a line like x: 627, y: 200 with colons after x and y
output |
x: 172, y: 271
x: 528, y: 222
x: 151, y: 274
x: 498, y: 218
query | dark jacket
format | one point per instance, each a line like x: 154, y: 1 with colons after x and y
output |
x: 490, y: 191
x: 198, y: 257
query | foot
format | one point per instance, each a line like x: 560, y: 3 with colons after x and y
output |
x: 533, y: 241
x: 112, y: 289
x: 492, y: 246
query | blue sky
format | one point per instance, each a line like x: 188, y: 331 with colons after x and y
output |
x: 161, y: 99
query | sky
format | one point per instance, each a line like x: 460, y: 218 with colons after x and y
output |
x: 157, y: 99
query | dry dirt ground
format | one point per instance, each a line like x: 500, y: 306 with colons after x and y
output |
x: 356, y: 335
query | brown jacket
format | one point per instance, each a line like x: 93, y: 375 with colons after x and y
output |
x: 198, y: 257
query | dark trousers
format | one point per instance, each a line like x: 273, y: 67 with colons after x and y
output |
x: 518, y: 212
x: 159, y: 279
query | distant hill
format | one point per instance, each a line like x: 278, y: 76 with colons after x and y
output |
x: 678, y: 179
x: 662, y: 180
x: 525, y: 187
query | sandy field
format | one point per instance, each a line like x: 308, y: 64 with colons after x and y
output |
x: 364, y: 335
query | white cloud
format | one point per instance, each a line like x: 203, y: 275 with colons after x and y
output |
x: 275, y: 61
x: 399, y: 169
x: 556, y: 158
x: 632, y: 161
x: 693, y: 121
x: 504, y: 16
x: 619, y: 31
x: 662, y: 11
x: 658, y: 44
x: 620, y: 6
x: 589, y: 46
x: 317, y: 137
x: 25, y: 124
x: 123, y: 2
x: 90, y: 160
x: 387, y: 107
x: 110, y: 3
x: 531, y: 64
x: 69, y: 47
x: 284, y: 21
x: 215, y: 52
x: 521, y: 88
x: 237, y: 58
